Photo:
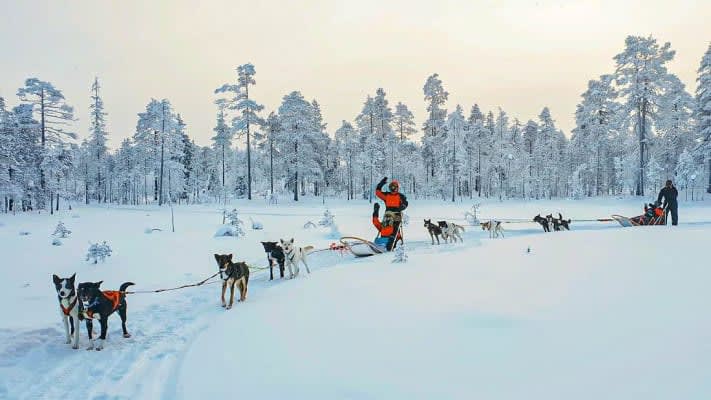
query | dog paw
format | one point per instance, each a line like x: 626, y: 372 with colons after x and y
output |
x: 127, y: 335
x: 75, y: 347
x: 224, y: 305
x: 228, y: 307
x: 68, y: 341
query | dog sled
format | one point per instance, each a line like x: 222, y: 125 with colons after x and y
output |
x: 360, y: 247
x: 653, y: 215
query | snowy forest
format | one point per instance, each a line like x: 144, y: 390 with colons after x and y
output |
x: 636, y: 126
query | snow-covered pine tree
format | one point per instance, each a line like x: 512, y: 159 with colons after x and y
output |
x: 642, y: 75
x: 98, y: 252
x: 53, y: 114
x: 247, y: 110
x: 702, y: 112
x: 597, y: 121
x: 61, y: 230
x: 97, y: 142
x: 366, y: 122
x: 296, y: 123
x: 434, y: 126
x: 222, y: 141
x: 348, y: 148
x: 686, y: 168
x: 456, y: 125
x: 272, y: 127
x: 673, y: 124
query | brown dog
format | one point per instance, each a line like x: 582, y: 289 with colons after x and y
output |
x: 232, y: 273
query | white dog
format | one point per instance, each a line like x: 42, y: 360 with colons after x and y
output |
x: 450, y: 230
x: 68, y: 307
x: 294, y: 255
x: 494, y: 227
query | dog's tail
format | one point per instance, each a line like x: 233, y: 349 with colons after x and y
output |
x: 459, y: 227
x: 124, y: 285
x: 308, y: 249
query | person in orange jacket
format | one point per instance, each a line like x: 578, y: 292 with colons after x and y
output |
x: 394, y: 200
x: 387, y: 230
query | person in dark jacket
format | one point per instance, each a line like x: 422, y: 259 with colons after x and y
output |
x: 669, y: 193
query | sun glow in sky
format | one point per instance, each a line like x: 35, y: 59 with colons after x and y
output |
x: 517, y: 55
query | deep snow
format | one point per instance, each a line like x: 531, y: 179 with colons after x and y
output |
x: 598, y: 312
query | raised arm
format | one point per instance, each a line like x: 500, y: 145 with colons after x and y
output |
x: 378, y: 189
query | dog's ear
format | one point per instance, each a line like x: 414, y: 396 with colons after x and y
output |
x: 71, y: 278
x: 281, y: 241
x: 292, y: 241
x: 56, y: 279
x: 97, y: 284
x: 229, y: 257
x: 217, y: 257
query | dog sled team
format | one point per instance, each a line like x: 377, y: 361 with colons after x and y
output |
x: 88, y: 302
x: 550, y: 223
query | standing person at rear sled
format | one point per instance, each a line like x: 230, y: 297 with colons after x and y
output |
x: 395, y: 203
x: 669, y: 193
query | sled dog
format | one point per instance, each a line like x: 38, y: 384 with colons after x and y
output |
x: 561, y: 223
x: 494, y: 227
x: 450, y: 230
x: 275, y: 255
x: 433, y: 230
x: 294, y: 255
x: 68, y: 307
x: 98, y: 304
x: 543, y: 222
x: 232, y: 274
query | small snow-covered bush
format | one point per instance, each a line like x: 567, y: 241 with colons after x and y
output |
x: 229, y: 231
x: 56, y: 242
x: 405, y: 219
x: 472, y: 216
x: 148, y: 231
x: 61, y: 230
x: 400, y: 254
x: 24, y: 233
x: 233, y: 218
x: 327, y: 219
x: 309, y: 225
x: 256, y: 225
x: 98, y: 252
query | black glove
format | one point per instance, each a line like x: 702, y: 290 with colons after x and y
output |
x: 382, y: 183
x: 376, y: 209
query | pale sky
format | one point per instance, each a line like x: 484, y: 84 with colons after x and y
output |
x: 519, y: 55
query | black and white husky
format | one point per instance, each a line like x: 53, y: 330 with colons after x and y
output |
x: 294, y: 255
x: 450, y: 230
x: 68, y: 307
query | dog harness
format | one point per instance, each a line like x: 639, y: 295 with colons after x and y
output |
x: 68, y: 310
x: 228, y: 271
x: 114, y: 296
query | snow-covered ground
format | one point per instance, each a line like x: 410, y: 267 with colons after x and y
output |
x: 598, y: 312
